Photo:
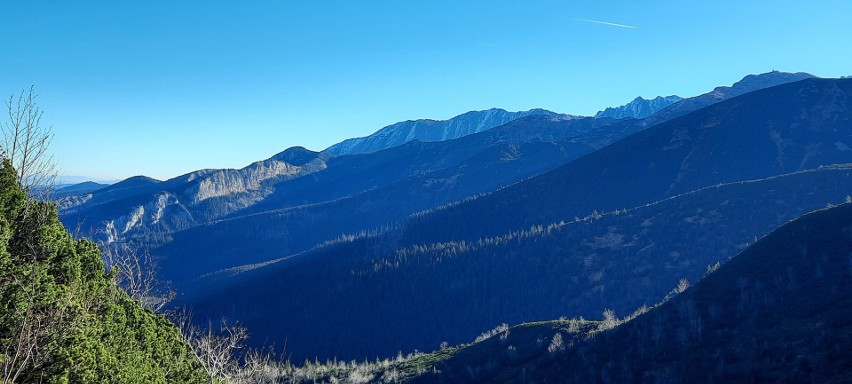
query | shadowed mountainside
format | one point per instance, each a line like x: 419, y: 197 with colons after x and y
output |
x: 768, y: 132
x: 367, y: 297
x: 297, y: 199
x: 777, y: 312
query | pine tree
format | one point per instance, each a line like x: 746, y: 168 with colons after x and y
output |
x: 62, y: 318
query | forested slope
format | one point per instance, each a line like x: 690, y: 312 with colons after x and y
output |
x: 778, y: 312
x: 62, y: 317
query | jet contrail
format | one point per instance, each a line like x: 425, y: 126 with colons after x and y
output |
x: 606, y: 23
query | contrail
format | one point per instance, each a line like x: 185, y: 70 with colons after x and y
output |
x: 606, y: 23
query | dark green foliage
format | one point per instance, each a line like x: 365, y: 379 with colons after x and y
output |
x: 76, y: 324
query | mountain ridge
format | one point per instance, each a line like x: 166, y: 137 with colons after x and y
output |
x: 434, y: 130
x: 639, y: 107
x: 375, y: 189
x: 689, y: 142
x: 438, y: 255
x: 747, y: 84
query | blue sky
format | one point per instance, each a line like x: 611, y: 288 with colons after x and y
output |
x: 162, y: 88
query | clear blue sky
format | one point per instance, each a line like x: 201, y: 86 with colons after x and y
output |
x: 162, y: 88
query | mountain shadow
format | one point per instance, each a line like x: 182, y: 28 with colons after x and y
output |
x: 778, y: 312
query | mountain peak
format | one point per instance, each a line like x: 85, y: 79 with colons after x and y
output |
x: 427, y: 130
x: 296, y: 155
x: 747, y: 84
x: 765, y: 80
x: 639, y: 107
x: 136, y: 181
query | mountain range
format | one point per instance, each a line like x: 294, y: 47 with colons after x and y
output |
x: 434, y: 130
x: 433, y: 231
x: 142, y: 205
x: 451, y: 272
x: 763, y: 133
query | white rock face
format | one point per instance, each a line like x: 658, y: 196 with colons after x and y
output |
x: 230, y: 181
x: 142, y: 216
x: 160, y: 204
x: 133, y: 219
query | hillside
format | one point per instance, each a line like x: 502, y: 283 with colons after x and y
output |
x: 452, y: 291
x: 777, y: 312
x: 63, y: 319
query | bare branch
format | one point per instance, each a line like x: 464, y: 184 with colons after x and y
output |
x: 135, y: 271
x: 25, y: 143
x: 223, y: 352
x: 34, y: 329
